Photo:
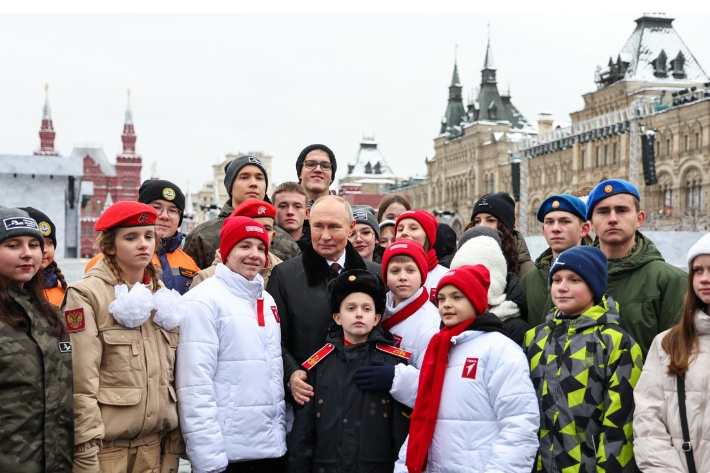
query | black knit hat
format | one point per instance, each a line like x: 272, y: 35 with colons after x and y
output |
x: 44, y: 224
x: 154, y: 189
x: 445, y: 241
x: 232, y: 168
x: 500, y: 205
x: 308, y: 149
x: 356, y: 280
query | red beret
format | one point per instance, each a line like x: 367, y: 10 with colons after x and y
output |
x: 409, y: 248
x: 473, y: 281
x: 255, y: 208
x: 425, y: 219
x: 126, y: 214
x: 236, y: 229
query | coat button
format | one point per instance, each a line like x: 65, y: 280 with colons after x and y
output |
x: 384, y: 401
x: 118, y: 398
x: 318, y: 414
x: 149, y: 414
x: 150, y: 376
x: 320, y: 401
x: 384, y: 415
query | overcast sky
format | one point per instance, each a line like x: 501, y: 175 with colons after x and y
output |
x: 204, y: 85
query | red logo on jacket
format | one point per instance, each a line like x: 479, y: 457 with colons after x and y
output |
x: 469, y: 368
x: 276, y: 314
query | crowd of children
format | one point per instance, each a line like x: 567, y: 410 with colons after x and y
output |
x: 573, y: 363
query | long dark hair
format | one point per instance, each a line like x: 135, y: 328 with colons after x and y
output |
x: 507, y: 244
x: 35, y: 287
x: 682, y: 342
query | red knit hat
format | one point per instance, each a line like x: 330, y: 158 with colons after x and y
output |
x: 425, y: 219
x: 473, y: 281
x: 255, y: 208
x: 126, y: 214
x: 236, y: 229
x: 409, y: 248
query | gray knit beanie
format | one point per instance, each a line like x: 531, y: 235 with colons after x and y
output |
x: 480, y: 230
x: 233, y: 167
x: 16, y: 222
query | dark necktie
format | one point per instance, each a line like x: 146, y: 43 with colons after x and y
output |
x: 335, y: 267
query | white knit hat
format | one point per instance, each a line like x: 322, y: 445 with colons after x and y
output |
x: 701, y: 247
x: 486, y: 251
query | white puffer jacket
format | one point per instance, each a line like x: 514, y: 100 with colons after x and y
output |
x: 487, y: 424
x: 657, y: 432
x: 414, y: 333
x: 432, y: 280
x: 230, y: 374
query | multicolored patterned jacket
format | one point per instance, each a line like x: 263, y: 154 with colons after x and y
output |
x: 584, y: 371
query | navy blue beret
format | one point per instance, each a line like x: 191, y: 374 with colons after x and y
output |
x: 564, y: 203
x: 608, y: 188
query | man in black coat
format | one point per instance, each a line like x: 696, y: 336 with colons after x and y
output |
x: 299, y: 288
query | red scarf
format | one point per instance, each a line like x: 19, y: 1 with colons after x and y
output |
x: 402, y: 315
x: 426, y: 407
x: 431, y: 259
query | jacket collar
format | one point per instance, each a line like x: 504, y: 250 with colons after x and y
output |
x: 238, y: 284
x: 317, y: 269
x: 227, y: 209
x: 168, y: 245
x: 390, y: 311
x: 606, y: 312
x: 377, y: 335
x: 487, y: 322
x: 702, y: 322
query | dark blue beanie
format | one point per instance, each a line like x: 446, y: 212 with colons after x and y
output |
x: 589, y: 263
x: 565, y: 203
x: 608, y: 188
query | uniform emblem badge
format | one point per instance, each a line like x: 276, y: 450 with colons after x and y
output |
x: 169, y: 193
x: 143, y: 218
x: 555, y: 204
x: 608, y: 189
x: 44, y: 228
x: 261, y: 210
x: 64, y: 347
x: 352, y: 278
x: 469, y: 368
x: 75, y: 320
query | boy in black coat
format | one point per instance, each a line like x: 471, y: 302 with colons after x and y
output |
x: 342, y: 428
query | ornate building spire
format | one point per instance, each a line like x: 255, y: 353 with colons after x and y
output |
x: 129, y: 135
x: 455, y: 111
x: 488, y: 74
x: 46, y: 132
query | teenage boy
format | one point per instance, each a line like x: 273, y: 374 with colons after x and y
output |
x: 409, y: 316
x: 649, y: 290
x: 476, y: 409
x: 584, y: 368
x: 564, y: 225
x: 291, y: 202
x: 265, y: 214
x: 345, y: 429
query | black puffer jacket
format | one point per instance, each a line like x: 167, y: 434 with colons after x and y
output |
x: 299, y: 288
x: 516, y: 326
x: 343, y: 429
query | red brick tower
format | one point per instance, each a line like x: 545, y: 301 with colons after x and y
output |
x: 128, y: 163
x: 46, y: 132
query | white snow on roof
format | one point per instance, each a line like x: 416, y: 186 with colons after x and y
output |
x: 653, y: 34
x: 96, y: 153
x: 41, y: 165
x: 368, y: 161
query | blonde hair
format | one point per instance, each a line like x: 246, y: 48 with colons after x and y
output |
x: 105, y: 242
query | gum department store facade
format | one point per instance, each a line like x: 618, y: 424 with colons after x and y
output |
x: 654, y: 86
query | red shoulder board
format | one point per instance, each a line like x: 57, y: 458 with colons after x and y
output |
x: 394, y: 351
x: 318, y: 356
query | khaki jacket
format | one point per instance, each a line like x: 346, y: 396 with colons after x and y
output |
x: 123, y: 378
x: 209, y: 272
x: 657, y: 431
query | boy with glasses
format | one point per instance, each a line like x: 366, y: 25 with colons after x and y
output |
x: 178, y: 268
x: 316, y: 167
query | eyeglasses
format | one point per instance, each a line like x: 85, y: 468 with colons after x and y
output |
x: 324, y: 165
x: 173, y: 212
x: 364, y: 234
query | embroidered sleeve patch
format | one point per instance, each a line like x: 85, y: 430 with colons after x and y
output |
x: 64, y: 347
x: 188, y: 273
x: 276, y: 313
x: 75, y: 320
x: 469, y: 368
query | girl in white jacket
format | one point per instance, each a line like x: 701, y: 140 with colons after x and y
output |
x: 476, y: 409
x: 229, y: 369
x: 683, y: 351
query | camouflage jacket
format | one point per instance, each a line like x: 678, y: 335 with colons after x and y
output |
x: 584, y: 371
x: 202, y: 242
x: 37, y: 423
